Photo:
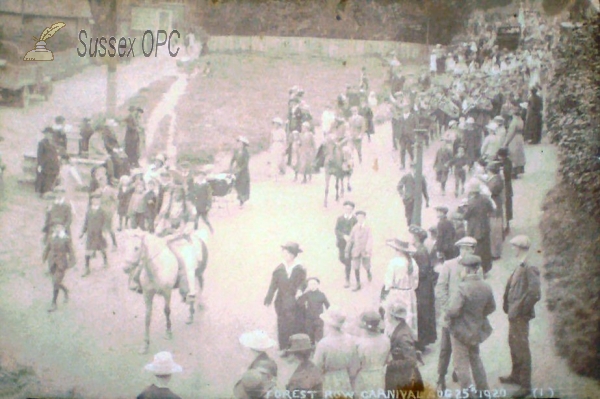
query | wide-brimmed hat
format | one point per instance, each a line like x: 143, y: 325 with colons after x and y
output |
x: 257, y: 340
x: 278, y: 121
x: 243, y: 139
x: 400, y: 245
x: 441, y: 208
x: 163, y: 364
x: 47, y: 129
x: 349, y: 203
x: 370, y: 320
x: 418, y: 231
x: 333, y: 317
x: 493, y: 126
x: 466, y: 242
x: 299, y: 343
x: 470, y: 120
x: 398, y: 310
x: 111, y: 123
x: 521, y: 241
x: 499, y: 119
x: 292, y: 247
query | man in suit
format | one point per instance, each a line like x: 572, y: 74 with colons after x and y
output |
x: 48, y: 163
x: 343, y: 227
x: 60, y: 256
x: 360, y: 247
x: 447, y: 284
x: 477, y: 214
x: 408, y: 123
x: 407, y: 188
x: 469, y: 307
x: 521, y: 294
x: 200, y: 194
x: 446, y: 233
x: 288, y: 281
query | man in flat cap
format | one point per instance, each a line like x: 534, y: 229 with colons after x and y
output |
x: 408, y: 190
x: 360, y: 247
x: 521, y: 294
x: 288, y: 282
x: 446, y: 233
x: 48, y: 163
x: 477, y: 213
x: 447, y: 284
x: 343, y: 227
x: 469, y: 307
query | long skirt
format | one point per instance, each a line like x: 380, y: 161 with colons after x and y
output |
x: 426, y: 312
x: 369, y: 380
x: 409, y: 299
x: 278, y: 157
x: 496, y: 235
x: 242, y: 185
x: 483, y: 250
x: 337, y: 381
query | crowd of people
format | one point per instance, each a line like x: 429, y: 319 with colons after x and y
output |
x: 475, y: 99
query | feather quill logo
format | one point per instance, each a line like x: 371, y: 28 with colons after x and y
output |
x: 40, y: 52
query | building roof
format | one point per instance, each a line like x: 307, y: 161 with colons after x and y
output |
x: 61, y: 8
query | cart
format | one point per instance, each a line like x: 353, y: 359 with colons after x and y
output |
x: 21, y: 82
x: 222, y: 185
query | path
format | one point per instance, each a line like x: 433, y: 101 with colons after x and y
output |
x: 92, y: 342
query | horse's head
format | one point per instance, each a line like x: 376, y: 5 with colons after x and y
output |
x: 134, y: 245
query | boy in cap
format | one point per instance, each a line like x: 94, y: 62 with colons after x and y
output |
x: 60, y: 256
x: 359, y: 248
x: 460, y: 163
x: 86, y: 131
x: 446, y: 233
x: 343, y: 227
x: 59, y: 212
x: 162, y: 367
x: 450, y: 276
x: 443, y: 158
x: 467, y: 313
x: 313, y: 302
x: 521, y: 294
x: 200, y: 194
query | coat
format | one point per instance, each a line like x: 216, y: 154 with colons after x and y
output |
x: 360, y: 243
x: 373, y: 351
x: 284, y: 289
x: 58, y: 213
x: 110, y: 139
x: 201, y: 196
x: 154, y: 392
x: 307, y: 377
x: 407, y: 187
x: 515, y: 142
x: 337, y: 359
x: 306, y: 152
x: 533, y: 122
x: 496, y: 186
x: 447, y: 285
x: 469, y: 307
x: 507, y: 168
x: 47, y: 157
x: 402, y: 372
x: 522, y: 292
x: 478, y: 212
x: 132, y: 139
x: 95, y: 220
x: 59, y: 253
x: 241, y: 160
x: 446, y: 237
x: 443, y: 157
x: 425, y: 297
x: 406, y: 129
x: 343, y: 227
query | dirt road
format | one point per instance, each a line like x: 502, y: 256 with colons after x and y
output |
x: 91, y: 343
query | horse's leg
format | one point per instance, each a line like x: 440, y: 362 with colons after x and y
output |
x: 148, y: 297
x: 327, y: 178
x: 167, y: 296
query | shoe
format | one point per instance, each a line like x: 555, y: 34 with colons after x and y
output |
x: 52, y: 308
x: 357, y: 288
x: 441, y: 384
x: 521, y: 393
x: 369, y: 276
x: 509, y: 379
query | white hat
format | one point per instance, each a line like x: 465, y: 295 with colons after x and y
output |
x: 257, y: 340
x: 521, y: 241
x: 111, y: 123
x: 278, y: 121
x: 163, y: 364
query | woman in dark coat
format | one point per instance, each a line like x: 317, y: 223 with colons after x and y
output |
x: 533, y: 122
x: 241, y: 160
x: 425, y: 291
x: 288, y: 279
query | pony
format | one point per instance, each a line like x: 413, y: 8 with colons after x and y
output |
x: 159, y: 274
x: 336, y: 158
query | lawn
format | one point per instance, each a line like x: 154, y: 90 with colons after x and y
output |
x: 246, y: 91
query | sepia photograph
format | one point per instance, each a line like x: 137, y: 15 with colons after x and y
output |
x: 299, y: 199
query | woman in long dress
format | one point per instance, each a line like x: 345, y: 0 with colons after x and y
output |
x: 516, y: 143
x: 278, y: 148
x: 496, y: 186
x: 336, y: 354
x: 307, y: 152
x: 400, y: 282
x: 241, y: 160
x: 373, y: 350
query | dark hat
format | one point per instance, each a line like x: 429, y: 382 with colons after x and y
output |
x: 398, y: 310
x: 370, y: 320
x: 400, y: 245
x: 292, y: 247
x: 493, y: 166
x: 132, y: 108
x: 250, y: 384
x: 59, y: 119
x: 299, y: 343
x: 47, y: 129
x: 502, y: 152
x: 86, y: 119
x: 418, y: 231
x: 140, y: 110
x: 466, y: 242
x: 349, y: 203
x: 313, y: 278
x: 361, y: 213
x: 96, y: 196
x: 443, y: 209
x: 471, y: 261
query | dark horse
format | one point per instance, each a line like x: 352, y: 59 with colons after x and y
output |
x: 336, y: 158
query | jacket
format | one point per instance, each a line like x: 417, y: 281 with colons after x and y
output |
x: 468, y: 310
x: 343, y: 227
x: 447, y: 285
x: 478, y: 212
x: 59, y: 253
x: 360, y: 242
x: 446, y: 237
x: 407, y: 187
x: 522, y: 292
x: 286, y: 288
x: 307, y: 377
x: 47, y: 157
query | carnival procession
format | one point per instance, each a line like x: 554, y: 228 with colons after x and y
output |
x: 365, y: 299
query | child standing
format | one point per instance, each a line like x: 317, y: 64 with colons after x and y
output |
x: 137, y: 205
x: 459, y: 162
x: 95, y: 220
x: 123, y: 198
x: 151, y: 201
x: 313, y: 302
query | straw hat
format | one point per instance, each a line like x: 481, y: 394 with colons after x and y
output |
x: 521, y: 241
x: 292, y: 247
x: 401, y: 245
x: 299, y: 343
x: 333, y: 317
x: 163, y: 364
x: 257, y: 340
x: 370, y: 320
x: 243, y: 139
x: 398, y: 310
